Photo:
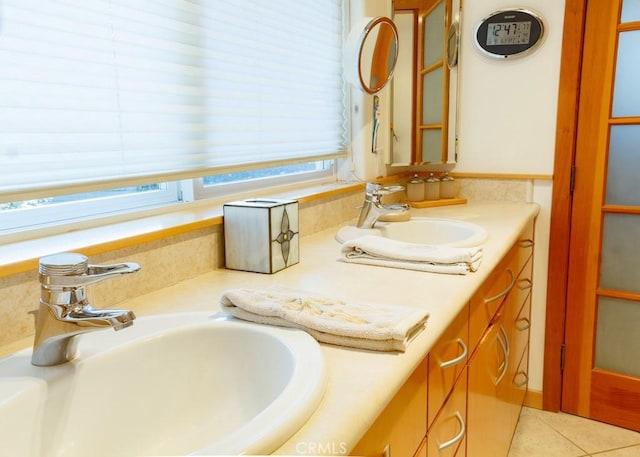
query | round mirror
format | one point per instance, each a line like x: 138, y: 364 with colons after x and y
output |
x: 374, y: 47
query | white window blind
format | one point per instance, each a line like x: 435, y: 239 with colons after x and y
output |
x: 106, y: 93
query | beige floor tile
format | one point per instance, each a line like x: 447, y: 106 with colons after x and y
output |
x: 592, y: 436
x: 535, y: 438
x: 633, y: 451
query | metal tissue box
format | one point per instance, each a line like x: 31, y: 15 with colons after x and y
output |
x: 261, y: 235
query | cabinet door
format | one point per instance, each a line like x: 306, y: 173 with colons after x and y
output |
x: 489, y: 423
x: 447, y: 361
x: 448, y: 432
x: 401, y: 427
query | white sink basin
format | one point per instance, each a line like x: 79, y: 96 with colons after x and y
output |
x: 422, y: 230
x: 169, y: 385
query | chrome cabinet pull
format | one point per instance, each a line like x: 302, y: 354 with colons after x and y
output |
x: 524, y: 284
x: 505, y: 291
x: 521, y: 383
x: 456, y: 439
x: 525, y: 321
x: 506, y: 338
x: 460, y: 358
x: 526, y: 243
x: 505, y: 364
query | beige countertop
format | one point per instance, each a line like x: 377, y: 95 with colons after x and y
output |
x: 360, y: 383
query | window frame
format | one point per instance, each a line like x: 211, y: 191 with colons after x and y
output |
x: 188, y: 187
x: 60, y: 213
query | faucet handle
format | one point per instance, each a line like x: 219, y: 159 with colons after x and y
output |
x: 377, y: 189
x: 63, y: 264
x: 69, y: 269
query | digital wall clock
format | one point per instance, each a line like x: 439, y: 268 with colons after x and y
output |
x: 509, y: 33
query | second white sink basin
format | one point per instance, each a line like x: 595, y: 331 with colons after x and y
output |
x: 422, y: 230
x: 169, y: 385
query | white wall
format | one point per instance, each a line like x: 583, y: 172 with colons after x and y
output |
x: 365, y: 164
x: 507, y: 125
x: 508, y: 107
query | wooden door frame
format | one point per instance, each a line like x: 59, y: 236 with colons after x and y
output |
x: 561, y: 200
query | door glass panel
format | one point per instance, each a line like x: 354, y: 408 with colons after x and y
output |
x: 434, y: 36
x: 626, y: 96
x: 630, y: 11
x: 432, y: 97
x: 432, y: 145
x: 620, y: 256
x: 617, y: 336
x: 624, y: 166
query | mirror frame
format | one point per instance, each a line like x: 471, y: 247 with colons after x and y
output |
x: 450, y: 79
x: 383, y: 55
x: 380, y: 58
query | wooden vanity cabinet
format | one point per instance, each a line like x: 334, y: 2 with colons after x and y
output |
x: 446, y: 436
x: 447, y: 403
x: 475, y: 376
x: 447, y: 362
x: 498, y: 369
x: 400, y: 429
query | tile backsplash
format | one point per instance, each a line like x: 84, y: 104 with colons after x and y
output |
x: 164, y: 262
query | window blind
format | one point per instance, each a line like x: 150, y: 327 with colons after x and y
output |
x: 106, y: 93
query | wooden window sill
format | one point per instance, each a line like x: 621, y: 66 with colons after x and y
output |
x: 22, y: 255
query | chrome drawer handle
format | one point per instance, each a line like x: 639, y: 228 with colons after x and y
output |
x: 521, y: 383
x: 504, y: 292
x: 506, y: 339
x: 456, y: 439
x: 526, y: 326
x: 526, y: 243
x: 524, y: 284
x: 460, y: 358
x: 504, y: 365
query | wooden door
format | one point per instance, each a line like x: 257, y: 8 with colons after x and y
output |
x: 602, y: 366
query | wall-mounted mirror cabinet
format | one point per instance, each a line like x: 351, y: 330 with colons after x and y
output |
x: 424, y: 89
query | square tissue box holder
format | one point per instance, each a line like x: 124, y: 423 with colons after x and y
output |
x: 261, y: 235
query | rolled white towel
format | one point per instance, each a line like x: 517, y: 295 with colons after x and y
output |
x: 381, y: 251
x: 365, y: 326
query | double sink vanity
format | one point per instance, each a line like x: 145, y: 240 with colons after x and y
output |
x: 187, y: 379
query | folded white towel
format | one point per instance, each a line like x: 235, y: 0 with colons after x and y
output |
x: 381, y: 251
x: 375, y: 327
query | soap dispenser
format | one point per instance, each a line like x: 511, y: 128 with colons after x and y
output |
x: 415, y: 189
x: 432, y: 188
x: 447, y: 186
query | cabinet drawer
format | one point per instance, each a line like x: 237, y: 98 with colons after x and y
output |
x: 402, y: 425
x: 447, y: 361
x: 448, y: 431
x: 490, y: 297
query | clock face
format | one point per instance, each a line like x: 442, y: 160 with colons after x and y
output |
x: 501, y: 33
x: 509, y: 33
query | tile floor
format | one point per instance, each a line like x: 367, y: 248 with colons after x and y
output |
x: 545, y: 434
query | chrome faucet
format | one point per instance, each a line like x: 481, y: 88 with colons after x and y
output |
x: 64, y: 310
x: 373, y: 209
